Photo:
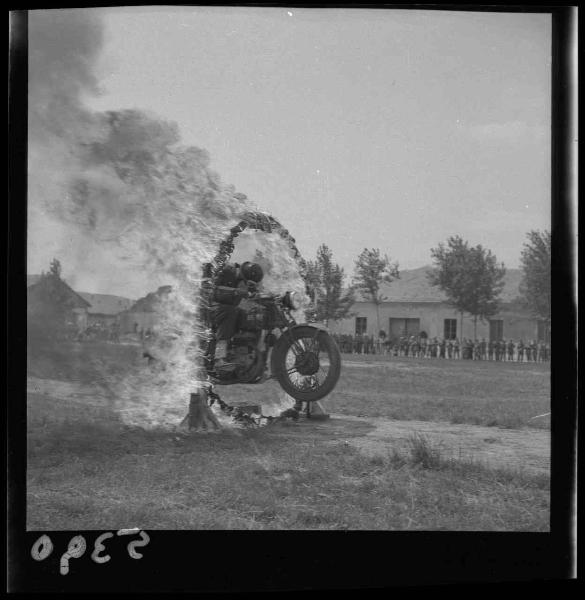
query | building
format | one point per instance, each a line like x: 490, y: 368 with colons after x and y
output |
x: 413, y: 306
x: 142, y: 315
x: 105, y: 309
x: 51, y: 303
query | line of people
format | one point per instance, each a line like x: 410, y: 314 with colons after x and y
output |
x: 99, y: 331
x: 466, y: 349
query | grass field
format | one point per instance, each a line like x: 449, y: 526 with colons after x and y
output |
x: 86, y: 470
x: 487, y: 393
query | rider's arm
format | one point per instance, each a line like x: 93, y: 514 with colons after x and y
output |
x: 229, y: 295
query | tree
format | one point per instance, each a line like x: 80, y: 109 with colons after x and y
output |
x: 325, y: 278
x: 50, y: 305
x: 55, y: 269
x: 536, y: 266
x: 371, y: 270
x: 471, y: 278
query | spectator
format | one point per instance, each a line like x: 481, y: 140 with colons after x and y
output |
x: 511, y: 350
x: 442, y: 345
x: 520, y: 351
x: 456, y: 351
x: 476, y: 350
x: 423, y: 347
x: 534, y: 350
x: 359, y: 343
x: 502, y: 348
x: 449, y: 349
x: 483, y: 349
x: 496, y: 350
x: 491, y: 345
x: 381, y: 341
x: 414, y: 347
x: 469, y: 349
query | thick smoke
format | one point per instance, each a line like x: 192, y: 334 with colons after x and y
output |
x: 119, y: 190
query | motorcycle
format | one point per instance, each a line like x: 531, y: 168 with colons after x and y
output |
x: 270, y: 344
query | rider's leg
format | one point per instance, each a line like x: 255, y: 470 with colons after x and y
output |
x: 221, y: 349
x: 226, y: 318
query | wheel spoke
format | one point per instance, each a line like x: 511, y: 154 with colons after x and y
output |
x: 296, y: 349
x: 297, y: 383
x: 312, y: 345
x: 314, y: 379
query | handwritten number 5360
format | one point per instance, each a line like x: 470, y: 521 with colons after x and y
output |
x: 43, y: 547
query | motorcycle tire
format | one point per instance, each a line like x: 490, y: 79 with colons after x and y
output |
x: 285, y: 349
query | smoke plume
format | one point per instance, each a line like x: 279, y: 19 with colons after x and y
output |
x: 118, y: 190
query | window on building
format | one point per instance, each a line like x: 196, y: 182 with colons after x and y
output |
x: 450, y: 329
x: 543, y: 331
x: 406, y: 327
x: 496, y: 330
x: 361, y: 325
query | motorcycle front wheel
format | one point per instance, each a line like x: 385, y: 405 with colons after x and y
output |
x: 307, y: 363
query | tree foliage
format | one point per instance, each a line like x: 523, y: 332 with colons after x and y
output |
x: 55, y: 268
x: 371, y: 271
x: 470, y: 277
x: 325, y: 278
x: 535, y: 287
x: 50, y: 306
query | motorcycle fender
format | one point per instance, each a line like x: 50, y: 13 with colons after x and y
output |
x: 314, y: 325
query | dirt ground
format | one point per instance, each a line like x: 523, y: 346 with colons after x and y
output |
x: 523, y: 449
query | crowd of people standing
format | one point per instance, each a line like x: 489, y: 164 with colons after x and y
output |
x: 98, y: 331
x: 421, y: 346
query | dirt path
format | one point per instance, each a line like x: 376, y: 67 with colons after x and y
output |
x: 523, y: 449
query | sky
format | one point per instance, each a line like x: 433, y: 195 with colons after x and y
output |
x: 392, y: 129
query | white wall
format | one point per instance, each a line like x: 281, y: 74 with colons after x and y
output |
x: 432, y: 316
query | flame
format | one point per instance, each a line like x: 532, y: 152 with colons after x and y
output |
x: 278, y: 405
x: 117, y: 193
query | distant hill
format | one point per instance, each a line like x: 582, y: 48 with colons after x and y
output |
x: 413, y: 286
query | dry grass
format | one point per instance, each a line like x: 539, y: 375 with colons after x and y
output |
x: 86, y: 470
x: 457, y: 391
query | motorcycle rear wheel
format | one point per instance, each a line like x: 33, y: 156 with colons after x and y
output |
x: 307, y: 363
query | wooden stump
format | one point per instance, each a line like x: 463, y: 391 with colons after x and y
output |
x: 201, y: 417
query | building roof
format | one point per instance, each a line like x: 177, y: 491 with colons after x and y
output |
x: 414, y: 286
x: 106, y: 304
x: 40, y: 288
x: 148, y: 303
x: 32, y: 279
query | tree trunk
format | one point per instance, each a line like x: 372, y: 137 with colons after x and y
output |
x: 200, y: 416
x: 461, y: 322
x: 377, y: 318
x: 475, y: 327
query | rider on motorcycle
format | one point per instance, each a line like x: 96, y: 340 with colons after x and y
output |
x: 232, y: 283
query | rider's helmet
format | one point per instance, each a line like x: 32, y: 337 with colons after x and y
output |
x: 252, y: 272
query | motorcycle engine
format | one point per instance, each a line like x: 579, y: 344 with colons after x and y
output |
x: 244, y: 349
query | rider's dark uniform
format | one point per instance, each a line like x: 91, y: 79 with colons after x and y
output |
x: 232, y: 284
x: 228, y: 293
